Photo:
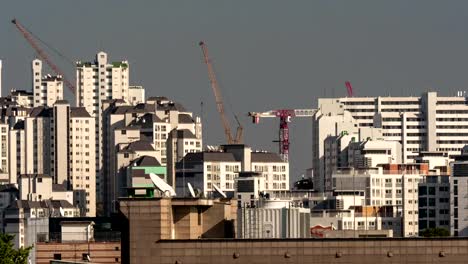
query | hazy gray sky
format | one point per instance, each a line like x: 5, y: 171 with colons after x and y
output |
x: 268, y: 54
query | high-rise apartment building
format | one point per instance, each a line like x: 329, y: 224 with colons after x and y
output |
x: 47, y: 89
x: 426, y: 123
x: 132, y: 131
x: 100, y: 80
x: 95, y: 82
x: 59, y: 142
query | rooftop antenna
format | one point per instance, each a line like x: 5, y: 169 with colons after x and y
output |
x: 162, y: 185
x: 192, y: 192
x: 218, y: 190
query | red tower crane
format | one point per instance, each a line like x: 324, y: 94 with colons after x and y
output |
x: 219, y: 100
x: 285, y: 116
x: 41, y: 53
x: 349, y: 89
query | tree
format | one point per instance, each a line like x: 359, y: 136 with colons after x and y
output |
x: 435, y: 232
x: 9, y: 255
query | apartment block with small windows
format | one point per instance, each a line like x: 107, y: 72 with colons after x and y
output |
x: 46, y: 89
x: 459, y: 196
x: 96, y: 82
x: 394, y: 185
x: 426, y: 123
x: 151, y: 124
x: 221, y: 167
x: 434, y: 202
x: 58, y: 142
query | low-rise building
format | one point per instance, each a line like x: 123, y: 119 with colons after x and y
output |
x: 220, y: 167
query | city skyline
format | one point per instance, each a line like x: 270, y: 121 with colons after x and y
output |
x: 287, y: 54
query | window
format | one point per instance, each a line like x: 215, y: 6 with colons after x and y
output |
x: 57, y: 256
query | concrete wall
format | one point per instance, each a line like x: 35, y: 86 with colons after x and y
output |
x: 100, y: 252
x: 309, y: 251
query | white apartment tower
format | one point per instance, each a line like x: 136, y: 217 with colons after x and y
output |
x: 100, y: 81
x: 97, y: 81
x: 426, y: 123
x: 46, y: 90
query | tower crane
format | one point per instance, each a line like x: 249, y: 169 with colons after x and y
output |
x: 41, y: 53
x: 285, y: 116
x: 349, y: 89
x: 219, y: 101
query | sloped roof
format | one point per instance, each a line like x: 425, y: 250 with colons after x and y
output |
x: 62, y: 102
x: 139, y: 145
x: 19, y: 125
x: 40, y: 204
x: 145, y: 161
x: 79, y: 112
x: 185, y: 119
x: 185, y: 133
x: 59, y: 187
x: 209, y: 156
x: 41, y: 111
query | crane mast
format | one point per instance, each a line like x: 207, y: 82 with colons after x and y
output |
x: 28, y: 36
x: 349, y: 89
x: 219, y: 101
x: 285, y: 116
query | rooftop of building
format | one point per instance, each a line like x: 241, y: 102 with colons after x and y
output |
x: 79, y: 112
x: 49, y: 78
x: 139, y: 108
x: 185, y: 119
x: 20, y: 92
x: 146, y: 121
x: 59, y: 187
x: 41, y: 111
x: 25, y: 204
x: 265, y: 157
x: 34, y: 175
x: 209, y: 156
x: 140, y: 145
x: 186, y: 134
x: 145, y: 161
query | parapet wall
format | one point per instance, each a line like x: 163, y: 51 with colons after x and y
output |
x: 450, y: 250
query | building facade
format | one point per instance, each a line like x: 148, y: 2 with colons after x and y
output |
x: 426, y: 123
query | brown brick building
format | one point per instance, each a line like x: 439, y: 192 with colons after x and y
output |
x: 165, y: 230
x: 100, y: 252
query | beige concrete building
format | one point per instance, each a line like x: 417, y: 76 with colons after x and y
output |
x: 95, y: 82
x: 136, y: 94
x: 153, y: 219
x: 144, y: 130
x: 76, y: 252
x: 39, y: 187
x: 46, y: 89
x: 22, y: 98
x: 152, y: 239
x: 222, y: 166
x: 58, y: 142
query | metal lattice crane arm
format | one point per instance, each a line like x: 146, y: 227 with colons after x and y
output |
x: 219, y: 100
x: 28, y: 36
x: 285, y: 116
x: 282, y: 113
